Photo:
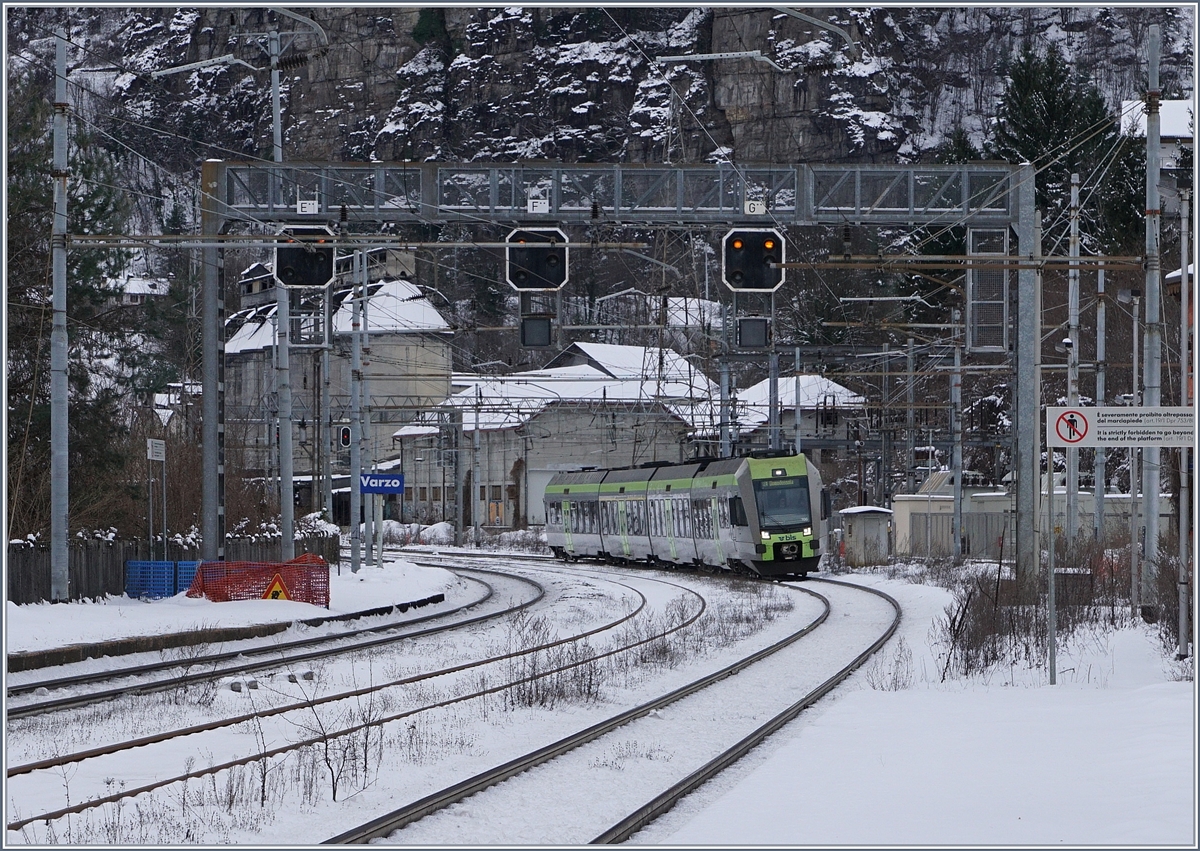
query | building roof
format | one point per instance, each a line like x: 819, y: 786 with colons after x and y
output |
x: 508, y: 401
x: 394, y: 306
x: 816, y: 391
x: 865, y: 509
x: 1175, y: 119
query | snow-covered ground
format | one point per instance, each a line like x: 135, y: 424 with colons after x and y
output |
x: 1107, y: 756
x: 45, y: 625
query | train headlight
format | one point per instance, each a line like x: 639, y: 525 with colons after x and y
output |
x: 807, y: 530
x: 766, y: 536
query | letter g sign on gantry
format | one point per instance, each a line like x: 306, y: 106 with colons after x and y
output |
x: 747, y: 257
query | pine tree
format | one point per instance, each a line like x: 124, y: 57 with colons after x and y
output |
x: 101, y: 334
x: 1057, y: 120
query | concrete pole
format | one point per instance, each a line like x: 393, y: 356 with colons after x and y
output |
x: 773, y: 402
x: 796, y: 406
x: 326, y: 426
x: 283, y: 363
x: 364, y: 390
x: 726, y: 448
x: 910, y: 422
x: 59, y: 470
x: 1028, y: 391
x: 1152, y: 367
x: 1135, y: 480
x: 1185, y: 485
x: 1073, y: 362
x: 477, y: 508
x: 283, y: 382
x: 212, y: 344
x: 1100, y: 470
x: 956, y: 458
x: 356, y: 420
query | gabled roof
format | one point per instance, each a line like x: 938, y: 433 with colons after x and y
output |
x: 628, y: 362
x: 507, y: 401
x: 394, y: 306
x: 816, y: 391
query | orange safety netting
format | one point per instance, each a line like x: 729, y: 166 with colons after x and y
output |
x: 304, y: 579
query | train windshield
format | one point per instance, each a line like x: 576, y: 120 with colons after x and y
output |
x: 783, y: 503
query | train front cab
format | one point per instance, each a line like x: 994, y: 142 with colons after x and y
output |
x: 784, y: 506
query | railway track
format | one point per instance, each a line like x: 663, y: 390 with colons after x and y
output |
x: 487, y: 790
x: 93, y: 759
x: 142, y: 679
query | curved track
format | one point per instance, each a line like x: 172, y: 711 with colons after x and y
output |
x: 484, y: 785
x: 245, y: 660
x: 59, y: 763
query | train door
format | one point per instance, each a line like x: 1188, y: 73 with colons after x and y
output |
x: 716, y: 527
x: 623, y: 525
x: 568, y: 522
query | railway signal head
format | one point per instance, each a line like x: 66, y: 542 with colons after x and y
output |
x: 306, y: 262
x: 344, y: 436
x: 536, y: 259
x: 747, y: 258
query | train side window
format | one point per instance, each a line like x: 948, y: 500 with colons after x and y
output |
x: 826, y: 504
x: 737, y: 511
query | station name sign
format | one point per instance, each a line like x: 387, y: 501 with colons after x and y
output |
x: 1079, y: 426
x: 381, y: 483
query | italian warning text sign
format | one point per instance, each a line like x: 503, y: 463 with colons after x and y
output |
x: 1080, y: 426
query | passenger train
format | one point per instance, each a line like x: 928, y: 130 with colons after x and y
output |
x: 764, y: 514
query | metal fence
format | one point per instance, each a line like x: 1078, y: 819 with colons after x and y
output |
x: 987, y: 535
x: 97, y: 568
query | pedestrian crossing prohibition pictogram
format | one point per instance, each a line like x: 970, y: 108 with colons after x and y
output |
x: 1071, y: 426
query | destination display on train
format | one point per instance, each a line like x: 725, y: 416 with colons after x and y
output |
x: 778, y: 483
x: 1112, y: 426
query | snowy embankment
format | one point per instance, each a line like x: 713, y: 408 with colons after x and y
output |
x: 895, y: 756
x: 45, y: 625
x: 1106, y: 756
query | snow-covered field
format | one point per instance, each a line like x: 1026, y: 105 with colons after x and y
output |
x: 1107, y: 756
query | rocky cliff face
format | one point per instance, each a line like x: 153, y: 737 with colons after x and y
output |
x: 583, y: 84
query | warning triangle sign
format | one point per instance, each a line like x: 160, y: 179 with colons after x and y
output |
x: 276, y: 590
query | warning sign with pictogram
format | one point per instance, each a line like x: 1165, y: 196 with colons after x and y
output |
x: 1070, y: 427
x: 276, y: 590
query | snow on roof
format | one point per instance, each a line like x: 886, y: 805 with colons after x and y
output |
x: 630, y: 362
x: 507, y: 401
x: 140, y: 284
x: 393, y: 306
x: 865, y: 509
x: 815, y: 391
x: 1173, y: 277
x: 1175, y: 119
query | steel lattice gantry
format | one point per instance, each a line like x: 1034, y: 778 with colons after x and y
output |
x: 978, y: 194
x: 637, y: 194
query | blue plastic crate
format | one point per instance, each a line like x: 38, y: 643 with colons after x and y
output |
x: 185, y: 572
x: 152, y: 579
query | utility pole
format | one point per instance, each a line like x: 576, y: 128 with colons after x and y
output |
x: 1185, y: 466
x: 773, y: 424
x: 1152, y: 368
x: 476, y: 507
x: 956, y: 462
x: 1073, y: 361
x: 796, y: 399
x: 910, y: 423
x: 1100, y: 468
x: 1029, y: 339
x: 356, y: 417
x: 59, y: 469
